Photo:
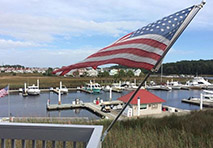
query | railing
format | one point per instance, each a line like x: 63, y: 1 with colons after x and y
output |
x: 87, y: 135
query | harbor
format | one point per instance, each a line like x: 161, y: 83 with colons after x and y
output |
x: 35, y: 106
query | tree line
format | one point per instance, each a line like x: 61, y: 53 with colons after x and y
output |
x: 192, y: 67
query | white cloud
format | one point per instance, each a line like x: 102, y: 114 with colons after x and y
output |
x: 42, y: 23
x: 44, y: 57
x: 8, y: 44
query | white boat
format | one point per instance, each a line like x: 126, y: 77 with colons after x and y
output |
x: 159, y: 87
x: 198, y: 83
x: 207, y: 96
x: 33, y: 90
x: 106, y: 88
x: 63, y: 89
x: 93, y: 87
x: 174, y: 85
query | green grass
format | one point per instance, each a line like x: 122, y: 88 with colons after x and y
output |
x: 194, y: 130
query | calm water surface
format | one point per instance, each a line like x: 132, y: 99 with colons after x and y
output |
x: 35, y: 106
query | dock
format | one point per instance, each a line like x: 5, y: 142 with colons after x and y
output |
x: 96, y: 109
x: 197, y: 102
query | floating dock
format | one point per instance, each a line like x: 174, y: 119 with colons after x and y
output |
x: 96, y: 109
x: 197, y: 102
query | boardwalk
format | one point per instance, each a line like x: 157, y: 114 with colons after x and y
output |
x: 96, y: 109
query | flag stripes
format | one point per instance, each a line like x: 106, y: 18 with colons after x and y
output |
x: 4, y: 92
x: 142, y: 48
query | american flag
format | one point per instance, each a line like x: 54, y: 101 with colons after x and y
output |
x: 4, y: 91
x: 142, y: 48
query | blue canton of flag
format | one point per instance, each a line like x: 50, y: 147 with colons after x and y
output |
x: 143, y: 48
x: 166, y: 27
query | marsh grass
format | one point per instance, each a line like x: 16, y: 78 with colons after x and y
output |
x: 194, y: 130
x: 18, y: 81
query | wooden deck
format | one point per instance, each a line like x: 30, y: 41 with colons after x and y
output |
x: 96, y: 109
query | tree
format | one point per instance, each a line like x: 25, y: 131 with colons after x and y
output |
x: 121, y: 73
x: 130, y: 73
x: 48, y: 72
x: 103, y: 74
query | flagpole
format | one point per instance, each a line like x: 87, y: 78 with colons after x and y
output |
x: 8, y: 101
x: 113, y: 122
x: 156, y: 67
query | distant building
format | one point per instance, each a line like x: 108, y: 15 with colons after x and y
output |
x: 144, y: 103
x: 92, y: 73
x: 137, y: 72
x: 113, y: 72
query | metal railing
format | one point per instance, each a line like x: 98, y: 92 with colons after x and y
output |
x: 88, y: 135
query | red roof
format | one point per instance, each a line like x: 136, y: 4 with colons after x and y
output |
x: 145, y: 97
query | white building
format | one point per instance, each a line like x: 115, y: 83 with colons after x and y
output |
x: 137, y: 72
x: 92, y: 73
x: 113, y: 72
x: 144, y: 103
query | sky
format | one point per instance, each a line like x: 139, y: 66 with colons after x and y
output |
x: 56, y: 33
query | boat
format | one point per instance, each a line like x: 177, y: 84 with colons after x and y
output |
x: 207, y: 96
x: 159, y: 87
x: 106, y: 88
x: 198, y: 83
x: 175, y: 85
x: 63, y: 89
x: 33, y: 90
x: 153, y: 86
x: 118, y: 87
x: 93, y: 87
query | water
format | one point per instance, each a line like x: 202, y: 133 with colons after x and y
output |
x: 35, y: 106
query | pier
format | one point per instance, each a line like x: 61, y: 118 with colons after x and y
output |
x: 96, y: 109
x: 197, y: 102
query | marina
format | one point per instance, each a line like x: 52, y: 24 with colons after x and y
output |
x: 35, y: 106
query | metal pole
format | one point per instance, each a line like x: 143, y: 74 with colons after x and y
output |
x: 8, y: 101
x: 139, y: 106
x: 175, y: 37
x: 133, y: 95
x: 201, y: 101
x: 110, y: 94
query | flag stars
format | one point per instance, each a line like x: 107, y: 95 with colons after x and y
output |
x: 181, y: 17
x: 173, y: 25
x: 177, y: 14
x: 167, y: 27
x: 169, y: 21
x: 163, y: 24
x: 175, y: 19
x: 158, y: 27
x: 162, y: 30
x: 183, y: 11
x: 151, y: 30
